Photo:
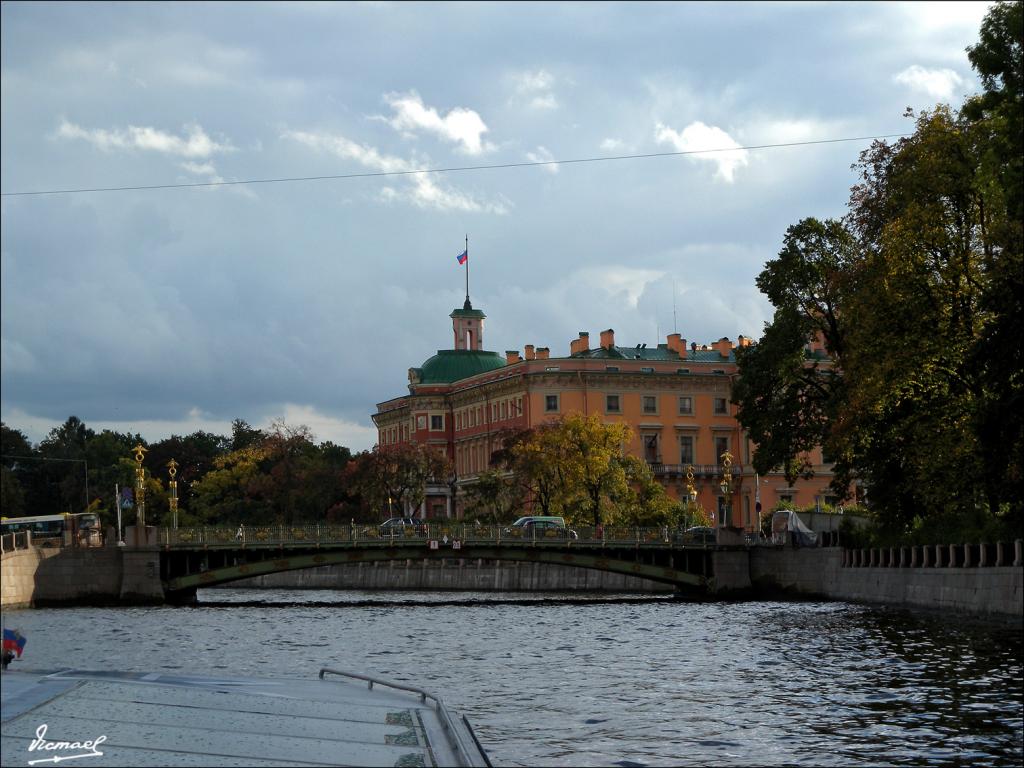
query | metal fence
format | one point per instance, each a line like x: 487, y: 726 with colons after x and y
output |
x: 421, y: 535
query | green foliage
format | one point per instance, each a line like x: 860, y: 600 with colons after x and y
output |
x: 916, y: 296
x: 390, y: 481
x: 575, y: 467
x: 492, y: 498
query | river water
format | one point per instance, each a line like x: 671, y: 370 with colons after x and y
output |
x: 548, y: 680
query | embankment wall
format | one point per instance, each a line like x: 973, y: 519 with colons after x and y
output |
x: 991, y: 590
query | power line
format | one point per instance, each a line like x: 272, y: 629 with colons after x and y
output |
x: 454, y: 169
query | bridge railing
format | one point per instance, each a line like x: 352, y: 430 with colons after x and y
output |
x: 419, y: 536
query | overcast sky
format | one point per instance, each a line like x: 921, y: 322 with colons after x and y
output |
x: 169, y: 310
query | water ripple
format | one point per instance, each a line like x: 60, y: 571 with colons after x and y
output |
x: 625, y: 681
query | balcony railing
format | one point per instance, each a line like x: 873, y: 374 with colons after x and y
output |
x: 699, y: 470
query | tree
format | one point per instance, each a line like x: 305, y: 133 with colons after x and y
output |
x: 396, y: 475
x: 924, y: 291
x: 492, y: 496
x: 533, y: 458
x: 787, y: 398
x: 14, y: 499
x: 594, y: 467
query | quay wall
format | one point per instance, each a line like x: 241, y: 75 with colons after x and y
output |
x: 829, y: 573
x: 40, y: 575
x: 455, y: 574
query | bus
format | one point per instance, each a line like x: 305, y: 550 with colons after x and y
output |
x: 82, y: 528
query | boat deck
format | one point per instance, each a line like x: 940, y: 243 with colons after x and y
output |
x: 158, y: 719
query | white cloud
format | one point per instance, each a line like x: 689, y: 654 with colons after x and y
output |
x: 534, y: 89
x: 424, y: 192
x: 613, y: 145
x: 543, y: 155
x: 201, y: 169
x: 356, y: 437
x: 937, y: 83
x: 197, y: 144
x: 460, y: 126
x: 697, y: 137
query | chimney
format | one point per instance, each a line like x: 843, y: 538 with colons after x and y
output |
x: 744, y: 341
x: 511, y: 356
x: 723, y: 345
x: 677, y: 343
x: 582, y: 344
x: 542, y: 353
x: 607, y: 339
x: 529, y: 352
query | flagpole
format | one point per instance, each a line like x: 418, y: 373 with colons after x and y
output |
x: 467, y: 267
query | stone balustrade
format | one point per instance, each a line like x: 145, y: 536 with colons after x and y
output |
x: 981, y: 555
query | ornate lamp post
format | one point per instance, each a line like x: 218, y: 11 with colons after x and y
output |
x: 172, y: 470
x: 691, y: 492
x: 140, y: 486
x: 726, y: 485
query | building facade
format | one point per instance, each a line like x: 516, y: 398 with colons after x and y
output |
x: 674, y: 396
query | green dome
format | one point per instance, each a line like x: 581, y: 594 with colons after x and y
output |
x: 450, y: 365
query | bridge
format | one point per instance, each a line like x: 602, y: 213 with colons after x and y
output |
x: 200, y: 557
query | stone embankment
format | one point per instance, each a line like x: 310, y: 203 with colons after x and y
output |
x: 985, y: 579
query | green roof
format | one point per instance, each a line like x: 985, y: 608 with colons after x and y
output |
x: 467, y: 311
x: 450, y: 365
x: 655, y: 354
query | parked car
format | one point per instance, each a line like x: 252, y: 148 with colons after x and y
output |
x: 538, y: 526
x: 397, y: 526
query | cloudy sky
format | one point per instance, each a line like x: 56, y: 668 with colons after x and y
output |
x: 167, y: 310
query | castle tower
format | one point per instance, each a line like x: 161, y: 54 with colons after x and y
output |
x: 468, y: 327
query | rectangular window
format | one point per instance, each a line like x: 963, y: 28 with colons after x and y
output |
x: 651, y: 455
x: 612, y: 368
x: 436, y: 423
x: 721, y: 446
x: 611, y: 403
x: 650, y: 404
x: 720, y: 405
x: 686, y: 449
x: 504, y: 409
x: 682, y: 370
x: 551, y: 403
x: 646, y: 370
x: 686, y: 406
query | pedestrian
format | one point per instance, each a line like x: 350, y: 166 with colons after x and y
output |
x: 241, y: 532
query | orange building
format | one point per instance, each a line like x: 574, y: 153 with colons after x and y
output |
x: 674, y: 396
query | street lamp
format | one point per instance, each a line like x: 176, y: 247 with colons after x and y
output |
x: 172, y: 470
x: 140, y: 486
x: 691, y: 491
x: 726, y: 485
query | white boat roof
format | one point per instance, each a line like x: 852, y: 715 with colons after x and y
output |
x: 159, y: 719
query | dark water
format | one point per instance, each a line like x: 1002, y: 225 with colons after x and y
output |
x: 636, y: 681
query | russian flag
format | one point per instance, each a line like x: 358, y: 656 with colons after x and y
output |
x: 14, y: 641
x: 463, y: 257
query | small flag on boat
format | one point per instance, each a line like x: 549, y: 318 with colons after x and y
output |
x: 463, y: 257
x: 14, y: 641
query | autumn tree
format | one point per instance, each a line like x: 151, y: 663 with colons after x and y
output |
x: 533, y: 456
x: 492, y: 497
x: 393, y: 480
x: 917, y: 295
